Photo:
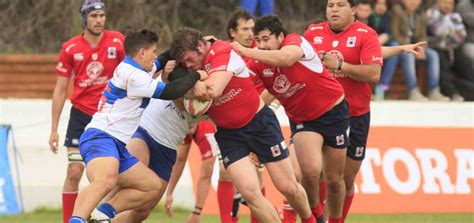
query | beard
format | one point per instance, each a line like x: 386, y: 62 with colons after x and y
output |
x: 91, y: 31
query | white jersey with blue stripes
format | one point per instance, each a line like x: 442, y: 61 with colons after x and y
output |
x: 124, y: 99
x: 165, y: 123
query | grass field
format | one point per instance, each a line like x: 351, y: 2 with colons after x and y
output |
x: 180, y: 216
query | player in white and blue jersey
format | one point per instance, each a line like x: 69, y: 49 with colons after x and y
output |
x: 102, y: 145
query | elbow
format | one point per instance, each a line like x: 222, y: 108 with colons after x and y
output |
x: 375, y: 79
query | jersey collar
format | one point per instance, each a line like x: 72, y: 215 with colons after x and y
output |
x: 129, y: 60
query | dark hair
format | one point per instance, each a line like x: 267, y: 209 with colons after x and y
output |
x: 270, y: 22
x: 352, y: 3
x: 365, y: 2
x: 183, y: 40
x: 234, y: 18
x: 388, y: 3
x: 135, y: 40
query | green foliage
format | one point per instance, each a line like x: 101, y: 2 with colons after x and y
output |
x: 41, y: 26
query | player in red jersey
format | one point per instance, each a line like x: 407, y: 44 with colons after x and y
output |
x: 90, y: 58
x: 203, y: 135
x: 243, y: 123
x: 314, y: 102
x: 357, y: 67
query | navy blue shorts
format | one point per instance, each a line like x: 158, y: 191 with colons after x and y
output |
x: 162, y: 158
x: 262, y: 136
x: 332, y: 125
x: 358, y: 136
x: 77, y: 123
x: 97, y: 143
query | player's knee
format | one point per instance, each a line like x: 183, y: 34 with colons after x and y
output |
x: 334, y: 185
x: 251, y: 196
x: 74, y: 172
x: 310, y: 176
x: 107, y: 183
x: 141, y: 214
x: 288, y: 189
x: 349, y: 183
x: 298, y: 175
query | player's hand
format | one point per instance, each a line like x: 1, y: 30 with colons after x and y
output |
x: 200, y: 91
x: 421, y: 55
x: 211, y: 37
x: 238, y: 47
x: 416, y: 49
x: 169, y: 67
x: 193, y: 218
x: 254, y: 159
x: 169, y: 205
x: 53, y: 142
x: 203, y: 74
x: 330, y: 60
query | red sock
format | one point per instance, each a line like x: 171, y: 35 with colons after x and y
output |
x: 69, y: 198
x: 322, y: 194
x: 253, y: 219
x: 234, y: 220
x: 289, y: 215
x: 225, y: 199
x: 347, y: 206
x: 335, y: 220
x: 317, y: 211
x: 311, y: 219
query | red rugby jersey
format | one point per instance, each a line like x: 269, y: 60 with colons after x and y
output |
x: 358, y: 44
x: 305, y: 89
x: 91, y: 66
x: 239, y: 102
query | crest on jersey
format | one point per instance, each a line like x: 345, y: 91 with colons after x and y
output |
x: 276, y: 150
x: 95, y: 56
x: 335, y: 43
x: 78, y: 56
x: 351, y: 41
x: 359, y: 151
x: 281, y: 84
x: 318, y: 40
x: 94, y: 69
x: 111, y: 52
x: 207, y: 67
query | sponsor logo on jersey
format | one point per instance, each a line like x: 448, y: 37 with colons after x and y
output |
x: 351, y: 41
x: 316, y: 27
x: 60, y: 67
x: 111, y: 52
x: 335, y: 43
x: 95, y: 56
x: 268, y: 73
x: 78, y: 56
x: 318, y: 40
x: 281, y: 84
x: 362, y: 30
x: 94, y: 69
x: 207, y: 67
x: 375, y: 58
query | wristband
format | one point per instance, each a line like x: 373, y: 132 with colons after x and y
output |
x: 196, y: 213
x: 197, y: 207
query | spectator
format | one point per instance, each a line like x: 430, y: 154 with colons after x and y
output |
x: 379, y: 20
x: 266, y: 7
x: 464, y: 56
x: 446, y: 32
x: 408, y: 25
x: 363, y: 11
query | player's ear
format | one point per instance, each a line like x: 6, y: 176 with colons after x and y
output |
x: 281, y: 37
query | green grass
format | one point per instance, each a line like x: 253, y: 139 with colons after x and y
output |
x: 180, y: 215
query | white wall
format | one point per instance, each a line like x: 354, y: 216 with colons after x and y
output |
x: 42, y: 172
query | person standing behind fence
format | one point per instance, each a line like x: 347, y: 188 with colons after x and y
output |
x: 265, y: 7
x: 446, y: 32
x: 90, y: 58
x: 408, y: 25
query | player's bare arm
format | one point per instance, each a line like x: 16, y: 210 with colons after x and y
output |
x: 416, y: 48
x: 217, y: 82
x: 363, y: 72
x: 284, y: 57
x: 59, y: 97
x: 181, y: 157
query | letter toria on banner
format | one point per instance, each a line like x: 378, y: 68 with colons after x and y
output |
x: 8, y: 196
